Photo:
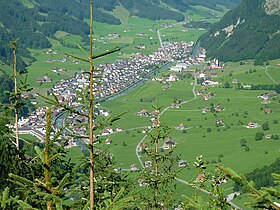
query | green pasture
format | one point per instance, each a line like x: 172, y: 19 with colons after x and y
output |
x: 133, y: 31
x: 60, y: 34
x: 176, y: 33
x: 241, y: 107
x: 29, y: 3
x: 241, y: 200
x: 274, y: 72
x: 5, y: 69
x: 246, y: 74
x: 200, y: 12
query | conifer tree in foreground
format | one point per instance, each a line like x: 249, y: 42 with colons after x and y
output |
x: 14, y: 45
x: 160, y: 168
x: 46, y: 191
x: 89, y: 103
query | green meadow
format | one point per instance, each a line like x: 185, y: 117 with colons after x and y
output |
x: 218, y: 145
x: 131, y: 33
x: 241, y: 107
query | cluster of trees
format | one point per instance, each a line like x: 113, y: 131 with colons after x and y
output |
x: 7, y: 85
x: 33, y: 25
x: 255, y: 38
x: 270, y: 87
x: 152, y: 9
x: 262, y: 177
x: 198, y: 24
x: 214, y: 4
x: 180, y: 5
x: 78, y: 9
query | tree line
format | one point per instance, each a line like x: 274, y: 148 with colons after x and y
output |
x: 254, y: 37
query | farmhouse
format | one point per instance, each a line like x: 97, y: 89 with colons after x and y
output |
x: 267, y: 95
x: 143, y: 112
x: 119, y: 129
x: 176, y: 106
x: 155, y: 113
x: 141, y: 182
x: 219, y: 108
x: 105, y: 132
x: 252, y: 125
x: 219, y: 122
x: 265, y: 101
x: 210, y: 83
x: 108, y: 141
x: 40, y: 79
x: 181, y: 127
x: 207, y: 96
x: 44, y: 79
x: 182, y: 163
x: 202, y: 76
x: 200, y: 177
x: 205, y: 109
x: 172, y: 78
x: 142, y: 147
x: 169, y: 143
x: 134, y: 167
x: 148, y: 164
x: 267, y: 110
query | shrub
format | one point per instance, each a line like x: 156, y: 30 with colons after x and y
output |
x: 259, y: 136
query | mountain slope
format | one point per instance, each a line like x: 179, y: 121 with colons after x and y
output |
x: 250, y: 31
x: 32, y: 21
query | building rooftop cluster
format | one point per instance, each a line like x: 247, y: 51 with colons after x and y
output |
x: 123, y: 73
x: 115, y: 77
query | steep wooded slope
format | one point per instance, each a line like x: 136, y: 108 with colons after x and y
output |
x: 250, y: 31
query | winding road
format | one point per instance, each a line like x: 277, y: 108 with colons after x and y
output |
x: 143, y: 139
x: 265, y: 69
x: 229, y: 198
x: 158, y: 31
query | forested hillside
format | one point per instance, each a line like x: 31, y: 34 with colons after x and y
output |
x: 246, y: 32
x: 154, y: 10
x: 262, y: 177
x: 32, y: 21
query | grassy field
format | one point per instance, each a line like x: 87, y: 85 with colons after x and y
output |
x: 29, y: 3
x: 132, y: 32
x: 197, y: 140
x: 241, y: 107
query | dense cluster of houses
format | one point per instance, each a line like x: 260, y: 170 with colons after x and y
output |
x: 35, y: 124
x: 115, y: 77
x: 123, y: 73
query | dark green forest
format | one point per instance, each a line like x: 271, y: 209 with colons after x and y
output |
x: 33, y: 25
x: 262, y: 177
x: 255, y: 37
